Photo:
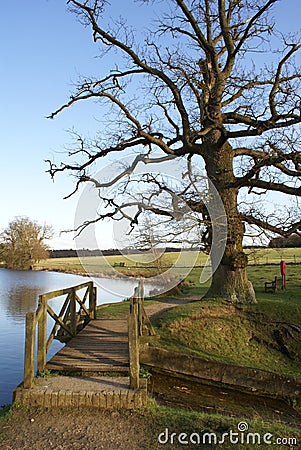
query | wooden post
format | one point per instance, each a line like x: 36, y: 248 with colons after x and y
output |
x: 92, y: 301
x: 42, y: 335
x: 95, y: 300
x: 133, y: 351
x: 141, y: 289
x: 140, y: 327
x: 135, y: 301
x: 73, y: 312
x: 30, y: 337
x: 140, y: 306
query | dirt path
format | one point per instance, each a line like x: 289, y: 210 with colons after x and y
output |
x: 61, y: 429
x: 163, y: 304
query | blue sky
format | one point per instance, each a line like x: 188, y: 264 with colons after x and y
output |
x: 43, y: 50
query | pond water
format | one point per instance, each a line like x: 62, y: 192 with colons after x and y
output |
x: 19, y: 293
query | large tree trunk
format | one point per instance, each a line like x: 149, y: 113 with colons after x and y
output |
x: 230, y: 280
x: 232, y: 284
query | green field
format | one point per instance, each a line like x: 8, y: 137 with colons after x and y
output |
x: 133, y: 263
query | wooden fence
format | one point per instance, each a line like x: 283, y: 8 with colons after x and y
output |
x: 139, y: 325
x: 67, y: 323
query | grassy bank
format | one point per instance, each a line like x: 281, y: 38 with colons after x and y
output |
x: 245, y: 336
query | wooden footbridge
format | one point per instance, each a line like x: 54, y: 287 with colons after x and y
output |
x: 101, y: 346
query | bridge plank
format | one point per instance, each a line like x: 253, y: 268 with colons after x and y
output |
x: 102, y: 346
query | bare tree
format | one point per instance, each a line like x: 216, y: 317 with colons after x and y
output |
x: 149, y: 240
x: 213, y: 84
x: 22, y: 243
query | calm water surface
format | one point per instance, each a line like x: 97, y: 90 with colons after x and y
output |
x: 19, y: 293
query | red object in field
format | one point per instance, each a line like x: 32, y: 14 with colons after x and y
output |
x: 283, y: 267
x: 283, y: 273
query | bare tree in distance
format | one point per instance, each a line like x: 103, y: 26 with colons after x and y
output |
x: 23, y: 243
x: 148, y: 239
x: 214, y: 84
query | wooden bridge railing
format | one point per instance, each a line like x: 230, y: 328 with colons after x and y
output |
x: 67, y: 323
x: 139, y: 325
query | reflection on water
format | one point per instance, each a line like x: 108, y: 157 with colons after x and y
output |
x: 17, y: 296
x: 21, y: 299
x: 19, y: 293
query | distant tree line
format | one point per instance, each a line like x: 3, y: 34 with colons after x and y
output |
x: 281, y: 242
x: 71, y: 253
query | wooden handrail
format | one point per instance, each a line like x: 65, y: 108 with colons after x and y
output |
x: 67, y: 324
x: 59, y: 292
